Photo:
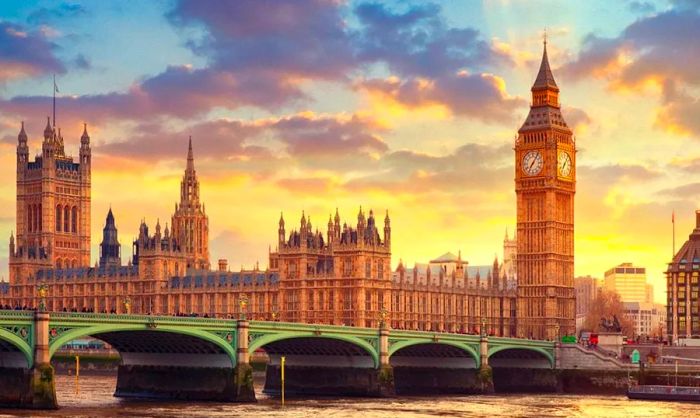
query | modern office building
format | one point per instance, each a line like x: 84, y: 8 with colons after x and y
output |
x: 630, y: 282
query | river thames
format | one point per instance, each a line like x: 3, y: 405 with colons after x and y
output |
x: 96, y: 400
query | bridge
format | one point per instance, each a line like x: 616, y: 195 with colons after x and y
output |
x: 209, y: 359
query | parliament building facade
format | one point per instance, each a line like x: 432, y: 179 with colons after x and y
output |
x: 342, y: 277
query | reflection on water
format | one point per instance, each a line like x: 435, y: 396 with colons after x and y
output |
x: 96, y: 400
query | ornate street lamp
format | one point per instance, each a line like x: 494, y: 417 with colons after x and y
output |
x: 43, y: 291
x: 243, y: 304
x: 483, y: 327
x: 556, y: 332
x: 383, y: 314
x: 127, y: 305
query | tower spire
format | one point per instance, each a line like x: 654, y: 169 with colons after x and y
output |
x: 545, y: 78
x: 190, y: 156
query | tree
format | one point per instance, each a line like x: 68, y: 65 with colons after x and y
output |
x: 606, y: 304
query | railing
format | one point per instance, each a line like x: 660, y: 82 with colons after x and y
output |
x: 17, y: 313
x: 83, y: 316
x: 143, y: 318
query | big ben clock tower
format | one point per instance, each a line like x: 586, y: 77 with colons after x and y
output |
x: 545, y: 183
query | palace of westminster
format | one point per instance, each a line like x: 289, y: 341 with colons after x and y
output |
x: 342, y: 277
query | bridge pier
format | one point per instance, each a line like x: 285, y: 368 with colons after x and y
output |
x: 485, y: 375
x: 41, y: 385
x: 386, y: 372
x: 243, y: 372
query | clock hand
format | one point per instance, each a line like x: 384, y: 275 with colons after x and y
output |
x: 531, y: 164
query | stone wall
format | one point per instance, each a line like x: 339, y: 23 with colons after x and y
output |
x: 324, y: 381
x: 184, y: 383
x: 574, y: 356
x: 507, y: 379
x: 434, y: 380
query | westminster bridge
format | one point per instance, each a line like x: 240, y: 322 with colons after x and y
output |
x: 209, y: 359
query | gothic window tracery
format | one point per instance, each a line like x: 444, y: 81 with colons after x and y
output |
x: 59, y: 211
x: 74, y: 220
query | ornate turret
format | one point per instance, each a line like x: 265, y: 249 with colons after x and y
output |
x: 110, y: 249
x: 331, y: 232
x: 387, y: 229
x: 22, y: 149
x: 280, y: 230
x: 494, y: 273
x: 48, y: 130
x: 85, y: 153
x: 190, y: 224
x: 12, y: 244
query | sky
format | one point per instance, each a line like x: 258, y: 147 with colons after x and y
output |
x: 410, y: 107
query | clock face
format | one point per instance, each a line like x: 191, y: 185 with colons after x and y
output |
x: 564, y: 164
x: 532, y: 163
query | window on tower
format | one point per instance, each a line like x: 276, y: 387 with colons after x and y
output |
x: 74, y: 220
x: 59, y: 210
x: 66, y: 219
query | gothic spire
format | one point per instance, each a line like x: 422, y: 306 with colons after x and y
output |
x: 545, y: 78
x: 22, y: 137
x: 190, y: 157
x: 110, y: 217
x: 48, y: 131
x: 84, y: 138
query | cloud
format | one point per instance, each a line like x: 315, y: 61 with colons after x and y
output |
x: 418, y: 42
x: 433, y: 64
x: 654, y: 53
x: 307, y: 135
x: 641, y: 7
x: 26, y: 53
x: 610, y: 174
x: 469, y: 169
x: 479, y: 96
x: 689, y: 191
x: 264, y: 56
x: 309, y: 185
x: 81, y: 62
x: 576, y: 118
x: 308, y: 138
x: 60, y: 12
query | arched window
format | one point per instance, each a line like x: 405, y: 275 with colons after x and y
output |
x: 74, y: 263
x: 66, y: 219
x: 58, y: 263
x: 30, y: 218
x: 39, y: 217
x: 35, y: 209
x: 74, y: 219
x: 59, y: 212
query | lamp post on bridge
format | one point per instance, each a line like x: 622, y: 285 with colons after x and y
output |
x: 127, y: 305
x: 243, y: 304
x: 43, y: 291
x: 383, y: 314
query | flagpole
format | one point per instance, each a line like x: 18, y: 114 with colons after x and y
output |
x: 54, y: 100
x: 673, y: 222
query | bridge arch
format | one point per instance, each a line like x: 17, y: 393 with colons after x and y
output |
x: 14, y: 341
x: 167, y: 330
x: 357, y: 342
x: 472, y: 353
x: 524, y: 349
